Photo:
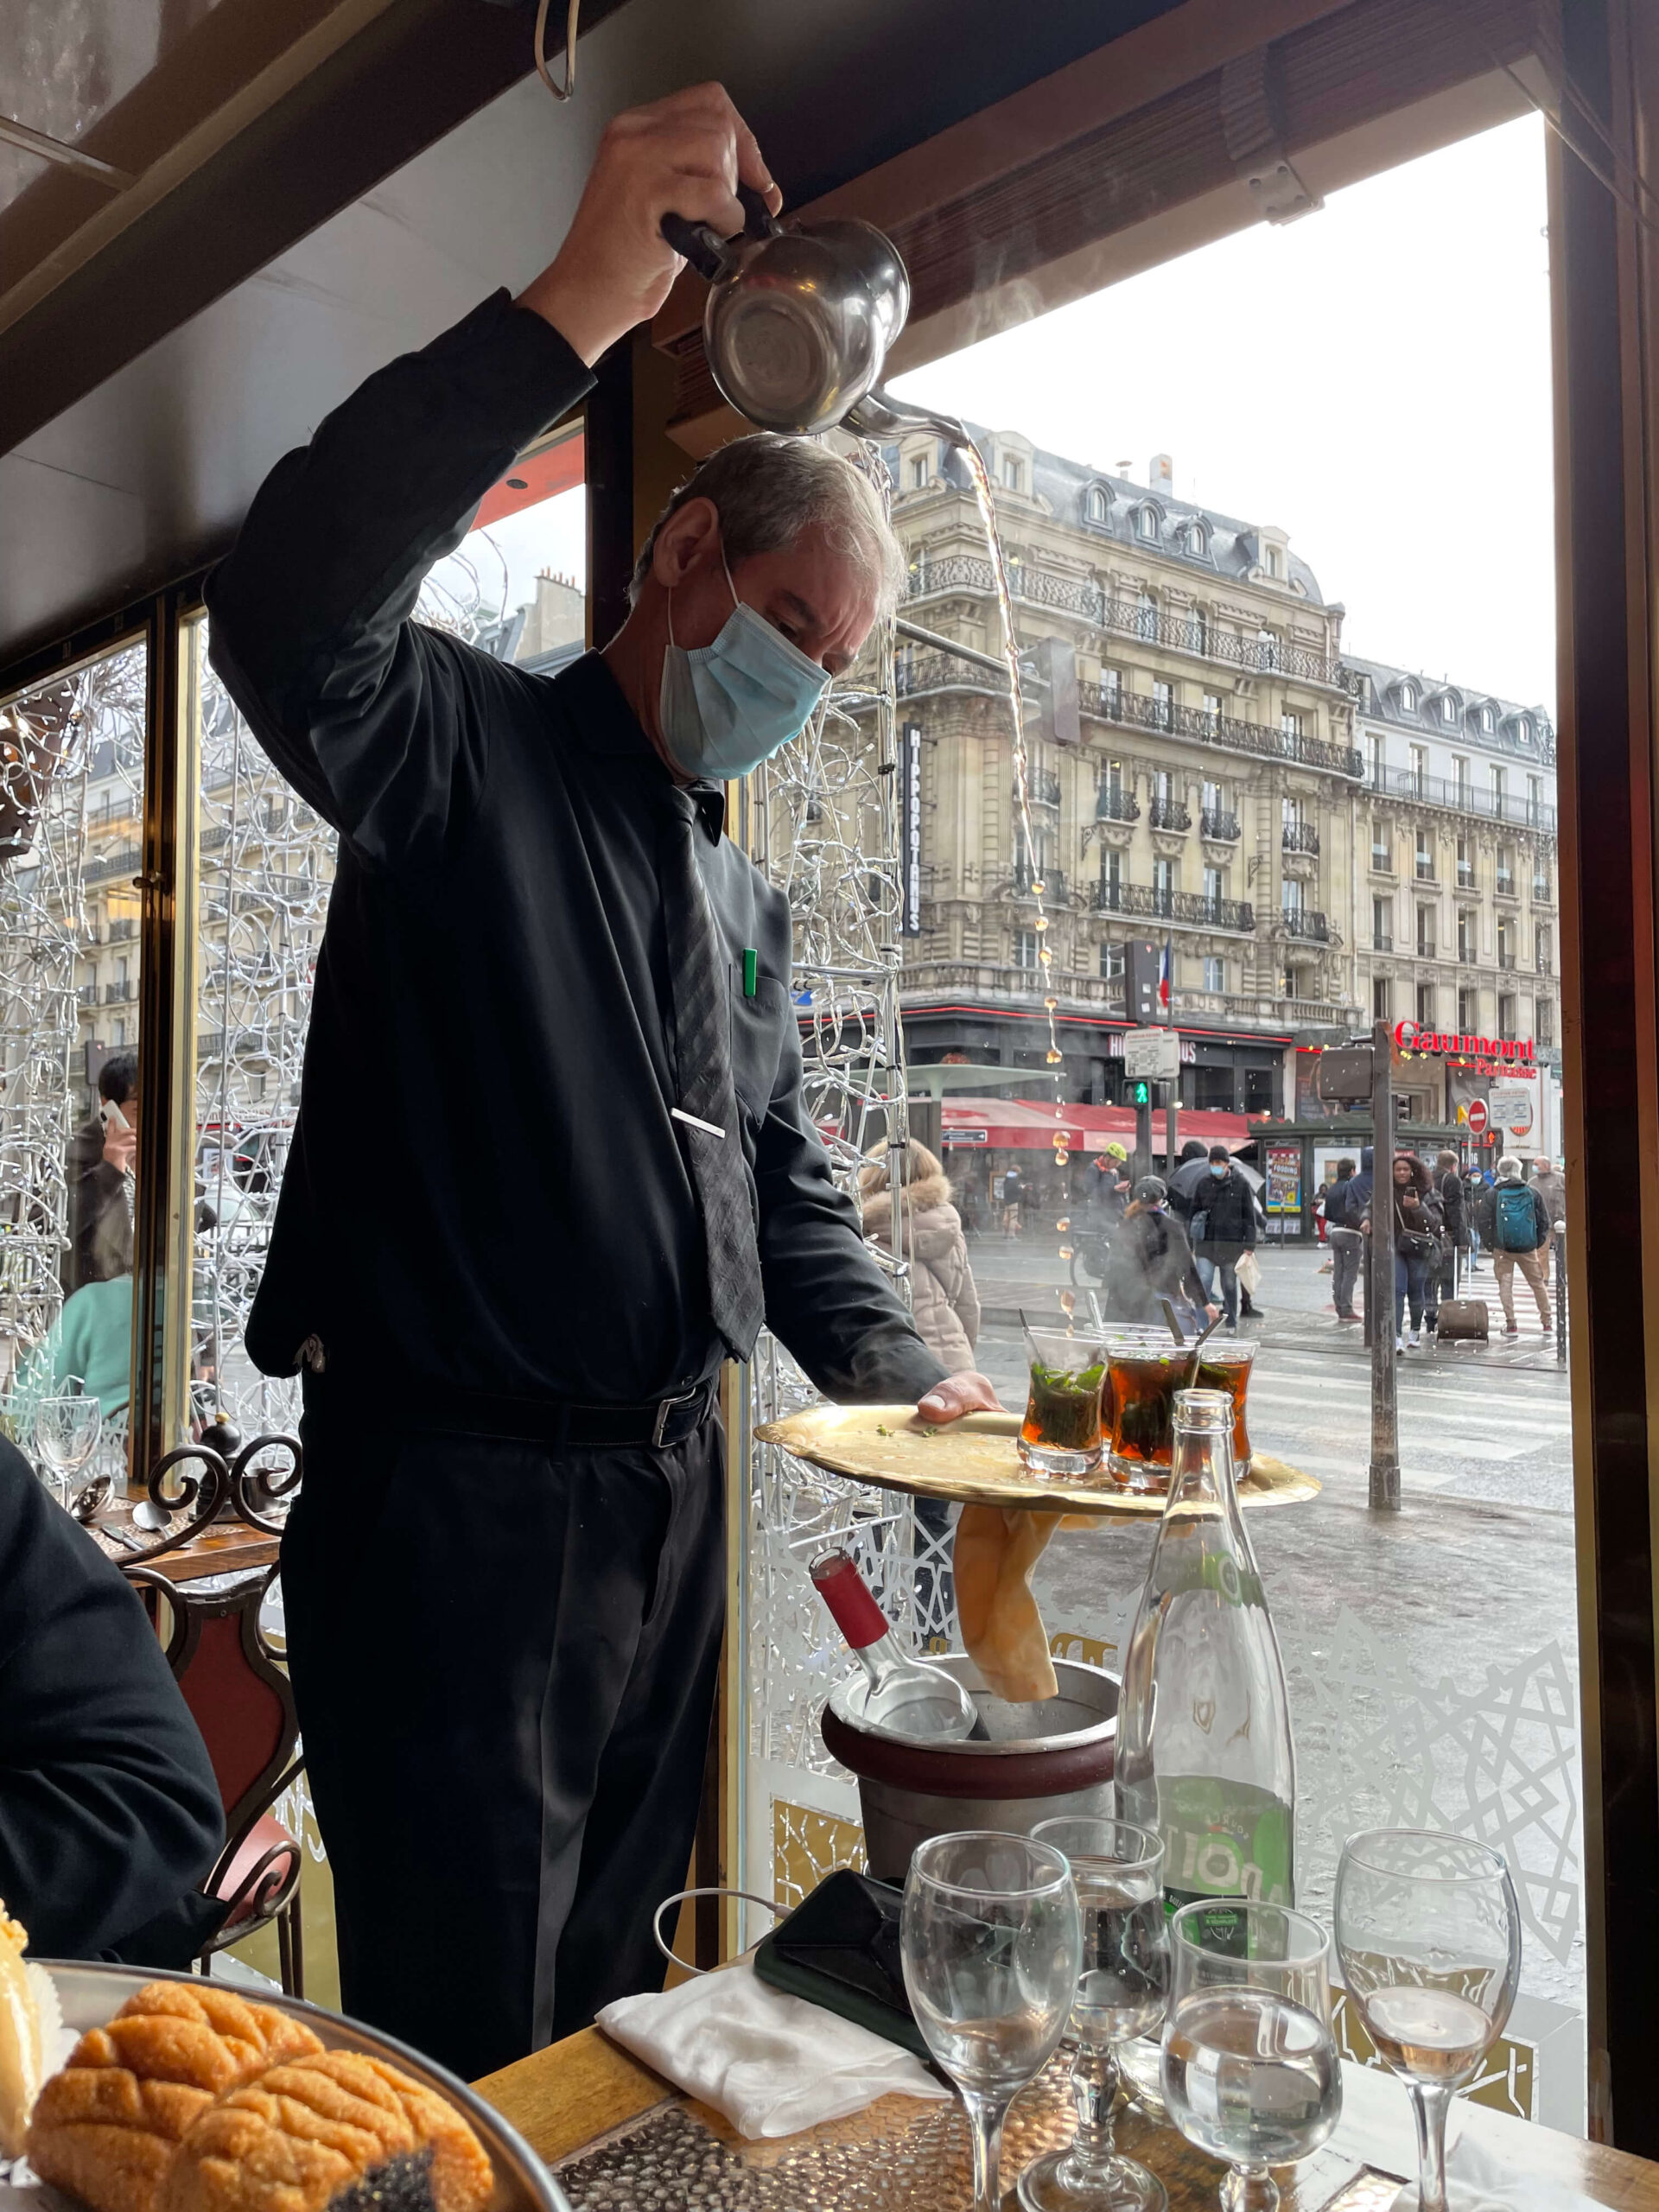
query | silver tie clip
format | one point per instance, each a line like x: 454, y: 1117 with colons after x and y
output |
x: 695, y: 1122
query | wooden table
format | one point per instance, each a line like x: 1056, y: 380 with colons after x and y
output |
x: 580, y: 2093
x: 221, y: 1548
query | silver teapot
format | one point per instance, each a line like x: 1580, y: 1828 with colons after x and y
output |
x: 799, y: 322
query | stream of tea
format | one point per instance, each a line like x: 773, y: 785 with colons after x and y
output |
x: 983, y: 495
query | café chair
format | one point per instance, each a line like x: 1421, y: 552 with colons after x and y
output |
x: 241, y: 1701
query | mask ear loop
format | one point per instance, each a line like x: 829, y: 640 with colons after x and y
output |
x: 679, y: 1898
x: 560, y: 93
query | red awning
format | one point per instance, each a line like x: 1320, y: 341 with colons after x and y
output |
x: 1023, y: 1124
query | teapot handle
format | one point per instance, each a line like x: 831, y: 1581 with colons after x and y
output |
x: 706, y: 252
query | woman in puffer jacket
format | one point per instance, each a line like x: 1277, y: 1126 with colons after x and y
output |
x: 944, y: 1303
x: 945, y: 1306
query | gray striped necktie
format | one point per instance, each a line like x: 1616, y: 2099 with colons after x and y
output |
x: 702, y: 994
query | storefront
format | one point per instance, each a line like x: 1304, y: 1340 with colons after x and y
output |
x: 1222, y: 1070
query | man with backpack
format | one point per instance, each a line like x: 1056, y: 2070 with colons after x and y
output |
x: 1514, y: 1221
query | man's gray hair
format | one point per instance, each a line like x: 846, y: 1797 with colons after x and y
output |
x: 1508, y: 1164
x: 769, y: 490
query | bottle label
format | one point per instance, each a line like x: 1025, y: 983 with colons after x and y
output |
x: 1224, y: 1839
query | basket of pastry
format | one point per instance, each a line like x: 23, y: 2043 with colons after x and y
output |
x: 184, y: 2094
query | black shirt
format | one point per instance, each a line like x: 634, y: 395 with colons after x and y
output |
x: 486, y: 1186
x: 109, y: 1810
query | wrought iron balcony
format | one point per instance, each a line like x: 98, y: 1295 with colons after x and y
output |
x: 1107, y: 897
x: 1466, y: 878
x: 118, y: 994
x: 1299, y: 837
x: 124, y: 863
x: 1302, y: 922
x: 1082, y: 596
x: 1426, y: 949
x: 1168, y: 814
x: 1382, y: 861
x: 1468, y: 956
x: 1381, y: 941
x: 1222, y: 827
x: 86, y: 995
x: 1544, y: 967
x: 1507, y: 961
x: 1424, y: 871
x: 1052, y: 878
x: 1114, y: 803
x: 1111, y: 703
x: 1503, y: 886
x: 1042, y: 787
x: 1463, y: 798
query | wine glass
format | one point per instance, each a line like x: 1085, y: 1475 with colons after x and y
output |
x: 1117, y: 1872
x: 1428, y: 1932
x: 65, y: 1436
x: 991, y: 1941
x: 1250, y: 2069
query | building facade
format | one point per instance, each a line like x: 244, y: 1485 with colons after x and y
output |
x: 1193, y: 775
x: 1457, y: 934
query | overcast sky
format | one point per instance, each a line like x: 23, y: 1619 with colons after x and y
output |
x: 1374, y: 379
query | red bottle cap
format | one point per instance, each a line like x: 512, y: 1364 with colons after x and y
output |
x: 838, y: 1582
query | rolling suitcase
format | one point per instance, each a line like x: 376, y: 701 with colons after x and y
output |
x: 1463, y: 1320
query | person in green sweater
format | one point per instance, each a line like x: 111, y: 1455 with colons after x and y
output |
x: 90, y: 1341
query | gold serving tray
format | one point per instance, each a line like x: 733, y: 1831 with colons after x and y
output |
x: 973, y: 1462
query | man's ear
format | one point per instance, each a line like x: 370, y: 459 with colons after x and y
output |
x: 685, y: 541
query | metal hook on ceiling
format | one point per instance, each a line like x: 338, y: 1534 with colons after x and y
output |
x: 563, y: 92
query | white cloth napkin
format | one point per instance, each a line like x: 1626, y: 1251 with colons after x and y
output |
x: 1478, y: 2182
x: 771, y: 2063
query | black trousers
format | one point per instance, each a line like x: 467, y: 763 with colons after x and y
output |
x: 505, y: 1665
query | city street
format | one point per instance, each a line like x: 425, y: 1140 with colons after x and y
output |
x: 1432, y: 1653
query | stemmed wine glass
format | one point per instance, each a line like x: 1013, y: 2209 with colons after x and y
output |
x: 65, y: 1436
x: 991, y: 1941
x: 1250, y: 2069
x: 1117, y: 1871
x: 1428, y: 1932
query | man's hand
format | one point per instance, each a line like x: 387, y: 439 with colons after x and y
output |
x: 683, y: 155
x: 120, y: 1146
x: 959, y: 1395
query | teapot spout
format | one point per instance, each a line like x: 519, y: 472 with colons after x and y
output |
x: 879, y: 415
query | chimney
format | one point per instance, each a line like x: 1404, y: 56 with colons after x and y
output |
x: 1160, y: 473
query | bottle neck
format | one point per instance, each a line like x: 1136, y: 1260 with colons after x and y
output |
x: 843, y: 1589
x: 1201, y: 1454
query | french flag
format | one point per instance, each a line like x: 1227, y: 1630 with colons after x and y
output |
x: 1165, y: 971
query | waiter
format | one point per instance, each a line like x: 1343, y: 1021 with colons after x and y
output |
x: 504, y: 1580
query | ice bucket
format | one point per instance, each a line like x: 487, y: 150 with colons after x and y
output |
x: 1053, y: 1757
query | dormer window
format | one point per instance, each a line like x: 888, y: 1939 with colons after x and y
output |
x: 1485, y: 718
x: 1014, y: 472
x: 1276, y: 563
x: 1448, y: 708
x: 1407, y: 698
x: 1146, y: 523
x: 918, y: 472
x: 1096, y: 505
x: 1524, y: 729
x: 1198, y: 539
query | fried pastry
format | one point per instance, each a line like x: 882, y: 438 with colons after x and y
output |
x: 30, y: 2024
x: 107, y: 2127
x: 338, y: 2132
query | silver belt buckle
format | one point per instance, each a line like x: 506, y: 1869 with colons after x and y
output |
x: 665, y: 1407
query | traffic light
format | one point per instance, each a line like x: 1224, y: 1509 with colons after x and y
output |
x: 1140, y: 1093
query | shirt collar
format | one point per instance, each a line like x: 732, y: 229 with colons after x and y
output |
x: 607, y: 725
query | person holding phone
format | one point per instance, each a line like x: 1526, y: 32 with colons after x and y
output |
x: 504, y: 1579
x: 98, y: 1169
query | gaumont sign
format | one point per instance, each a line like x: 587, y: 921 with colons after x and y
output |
x: 1512, y: 1052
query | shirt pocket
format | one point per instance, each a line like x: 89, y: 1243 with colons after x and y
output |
x: 757, y: 1043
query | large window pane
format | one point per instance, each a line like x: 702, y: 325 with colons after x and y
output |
x: 72, y: 769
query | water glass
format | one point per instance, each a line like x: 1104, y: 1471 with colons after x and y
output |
x: 991, y: 1941
x: 1117, y: 1872
x: 1250, y: 2069
x: 66, y: 1430
x: 1428, y: 1932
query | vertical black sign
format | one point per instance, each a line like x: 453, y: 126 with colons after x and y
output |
x: 910, y: 828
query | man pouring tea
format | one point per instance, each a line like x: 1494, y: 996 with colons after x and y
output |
x: 505, y: 1579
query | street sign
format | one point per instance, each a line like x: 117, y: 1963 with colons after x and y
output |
x: 1152, y: 1053
x: 1344, y: 1072
x: 1475, y: 1113
x: 1510, y: 1105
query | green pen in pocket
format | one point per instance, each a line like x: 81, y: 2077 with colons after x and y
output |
x: 750, y: 960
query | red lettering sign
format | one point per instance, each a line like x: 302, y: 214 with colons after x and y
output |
x: 1410, y: 1037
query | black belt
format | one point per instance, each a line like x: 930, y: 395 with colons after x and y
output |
x: 560, y: 1423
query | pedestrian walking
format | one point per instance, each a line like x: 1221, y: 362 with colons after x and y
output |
x: 1551, y: 1186
x: 1475, y: 1187
x: 943, y: 1305
x: 1014, y: 1192
x: 1516, y: 1222
x: 1109, y: 1190
x: 1150, y: 1260
x: 1223, y: 1228
x: 1454, y: 1234
x: 1414, y: 1224
x: 1346, y: 1243
x: 1189, y: 1171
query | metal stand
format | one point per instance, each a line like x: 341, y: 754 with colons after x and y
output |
x: 1379, y: 1295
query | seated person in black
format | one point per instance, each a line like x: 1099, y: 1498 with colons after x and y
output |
x: 109, y: 1810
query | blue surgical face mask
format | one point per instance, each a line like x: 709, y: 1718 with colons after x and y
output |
x: 725, y: 708
x: 1215, y: 1168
